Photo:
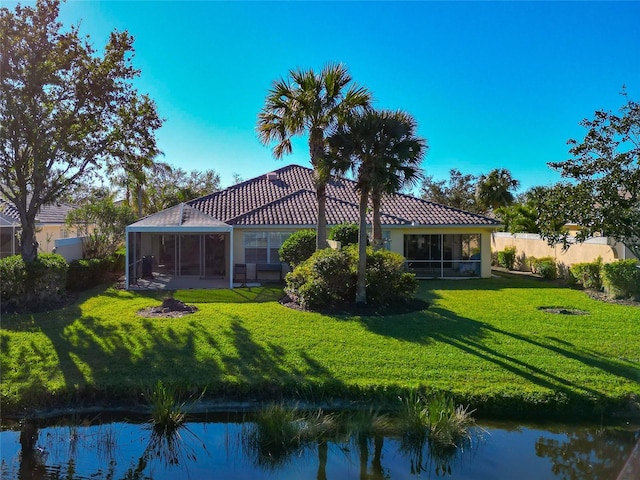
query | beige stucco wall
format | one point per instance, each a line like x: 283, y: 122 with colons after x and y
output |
x: 531, y: 245
x: 396, y: 243
x: 46, y: 235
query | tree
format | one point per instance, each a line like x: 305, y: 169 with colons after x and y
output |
x: 459, y: 191
x: 383, y: 151
x: 530, y: 213
x: 65, y: 112
x: 312, y: 103
x: 109, y: 221
x: 168, y: 186
x: 135, y: 146
x: 399, y: 165
x: 518, y: 218
x: 604, y: 195
x: 493, y: 190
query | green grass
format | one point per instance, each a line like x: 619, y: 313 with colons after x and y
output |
x: 486, y: 342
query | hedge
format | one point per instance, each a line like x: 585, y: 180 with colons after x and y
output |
x: 30, y: 286
x: 621, y: 279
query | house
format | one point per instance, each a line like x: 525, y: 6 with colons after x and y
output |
x: 237, y: 232
x: 50, y: 226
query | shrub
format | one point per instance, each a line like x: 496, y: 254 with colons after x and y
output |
x: 545, y: 267
x: 587, y: 274
x: 84, y: 274
x: 621, y: 279
x: 345, y: 233
x: 329, y: 278
x: 387, y: 281
x: 507, y: 257
x: 324, y: 279
x: 13, y: 275
x: 32, y: 285
x: 298, y: 247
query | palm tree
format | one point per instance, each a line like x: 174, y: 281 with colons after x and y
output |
x: 313, y: 103
x: 382, y: 150
x: 399, y: 167
x: 493, y: 189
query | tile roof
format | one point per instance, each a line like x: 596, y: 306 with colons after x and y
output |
x: 50, y: 213
x: 287, y: 197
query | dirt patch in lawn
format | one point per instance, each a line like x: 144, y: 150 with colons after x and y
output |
x: 170, y: 308
x: 563, y: 311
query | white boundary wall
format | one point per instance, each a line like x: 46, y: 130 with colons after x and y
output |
x: 70, y: 248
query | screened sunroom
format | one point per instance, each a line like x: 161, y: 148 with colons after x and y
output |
x: 180, y: 247
x: 443, y: 255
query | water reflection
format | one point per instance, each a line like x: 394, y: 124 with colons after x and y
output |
x: 588, y: 453
x: 341, y: 448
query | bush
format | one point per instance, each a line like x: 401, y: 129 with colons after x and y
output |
x: 33, y: 285
x: 507, y: 258
x: 329, y: 278
x: 545, y: 267
x: 621, y: 279
x: 326, y: 278
x: 387, y: 281
x: 87, y: 273
x: 587, y: 274
x: 298, y: 247
x: 345, y: 233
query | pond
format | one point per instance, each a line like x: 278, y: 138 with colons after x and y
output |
x: 226, y: 446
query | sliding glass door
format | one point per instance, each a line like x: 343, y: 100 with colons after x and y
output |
x: 443, y: 255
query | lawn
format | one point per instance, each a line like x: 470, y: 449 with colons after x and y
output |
x: 487, y: 342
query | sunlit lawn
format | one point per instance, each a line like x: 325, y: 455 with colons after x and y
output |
x: 486, y: 341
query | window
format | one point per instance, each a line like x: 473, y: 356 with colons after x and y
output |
x: 386, y: 239
x: 262, y: 247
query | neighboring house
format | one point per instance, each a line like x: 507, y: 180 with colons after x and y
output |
x: 50, y: 226
x: 244, y: 226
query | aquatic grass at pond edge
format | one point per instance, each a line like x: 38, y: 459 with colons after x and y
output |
x: 484, y: 341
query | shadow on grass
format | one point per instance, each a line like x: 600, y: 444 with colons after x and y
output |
x: 93, y: 361
x: 471, y: 337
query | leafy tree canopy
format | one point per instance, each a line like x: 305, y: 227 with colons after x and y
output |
x: 65, y: 111
x: 109, y: 221
x: 167, y: 186
x: 603, y: 197
x: 494, y: 190
x: 527, y: 214
x: 458, y: 191
x: 313, y: 103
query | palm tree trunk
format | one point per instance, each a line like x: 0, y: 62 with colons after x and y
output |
x: 139, y: 199
x: 321, y: 177
x: 376, y: 200
x: 321, y: 228
x: 361, y: 283
x: 378, y: 443
x: 363, y: 446
x: 322, y: 460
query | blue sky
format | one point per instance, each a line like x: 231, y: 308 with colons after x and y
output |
x: 492, y: 85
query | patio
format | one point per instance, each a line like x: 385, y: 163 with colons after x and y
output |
x: 161, y: 281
